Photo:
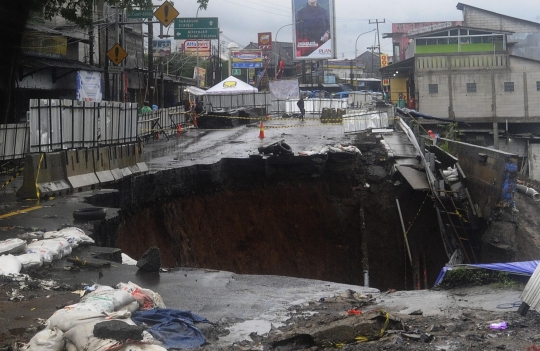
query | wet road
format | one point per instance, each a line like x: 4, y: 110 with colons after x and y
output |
x: 257, y: 301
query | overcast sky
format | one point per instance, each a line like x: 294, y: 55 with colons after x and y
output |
x: 241, y: 20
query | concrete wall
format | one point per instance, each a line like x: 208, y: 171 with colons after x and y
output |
x: 451, y: 73
x: 491, y: 175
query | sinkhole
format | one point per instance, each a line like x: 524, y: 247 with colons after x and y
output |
x: 330, y: 217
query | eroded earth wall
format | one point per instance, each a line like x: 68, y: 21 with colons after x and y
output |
x: 294, y: 216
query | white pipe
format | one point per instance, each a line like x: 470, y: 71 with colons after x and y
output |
x: 528, y: 191
x: 366, y: 278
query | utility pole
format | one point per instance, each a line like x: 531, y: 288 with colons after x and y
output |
x: 150, y: 83
x: 372, y: 61
x: 378, y: 40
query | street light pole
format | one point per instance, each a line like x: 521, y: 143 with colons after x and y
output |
x: 197, y: 67
x: 355, y: 50
x: 279, y: 49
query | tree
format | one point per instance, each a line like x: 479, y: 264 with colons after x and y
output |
x: 13, y: 18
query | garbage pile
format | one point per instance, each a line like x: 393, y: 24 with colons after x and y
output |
x: 127, y: 317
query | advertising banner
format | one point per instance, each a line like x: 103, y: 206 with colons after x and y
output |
x: 44, y: 44
x: 247, y: 59
x: 190, y: 47
x: 313, y: 29
x: 201, y: 72
x: 89, y: 86
x: 161, y: 47
x: 265, y: 41
x: 384, y: 60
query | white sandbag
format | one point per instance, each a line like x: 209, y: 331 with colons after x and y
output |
x: 9, y: 264
x: 65, y: 319
x: 73, y: 240
x: 59, y: 246
x: 12, y: 246
x: 146, y: 298
x: 46, y: 253
x: 131, y: 307
x: 108, y: 300
x: 74, y: 231
x: 128, y: 260
x: 47, y: 339
x: 82, y: 337
x: 29, y: 260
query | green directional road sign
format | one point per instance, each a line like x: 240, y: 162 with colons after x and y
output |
x: 236, y: 72
x: 196, y: 23
x: 141, y: 14
x: 205, y: 33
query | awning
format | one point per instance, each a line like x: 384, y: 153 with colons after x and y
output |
x: 195, y: 91
x: 331, y: 85
x: 45, y: 62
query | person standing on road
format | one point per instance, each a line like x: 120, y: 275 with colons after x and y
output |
x: 300, y: 105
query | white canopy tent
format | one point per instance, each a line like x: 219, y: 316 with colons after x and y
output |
x: 195, y: 91
x: 231, y: 85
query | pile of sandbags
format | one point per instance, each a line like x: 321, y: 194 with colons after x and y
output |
x: 100, y: 321
x: 36, y: 248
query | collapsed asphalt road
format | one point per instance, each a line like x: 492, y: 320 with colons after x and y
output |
x: 241, y: 304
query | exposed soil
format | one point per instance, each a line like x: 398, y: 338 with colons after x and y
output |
x: 322, y: 217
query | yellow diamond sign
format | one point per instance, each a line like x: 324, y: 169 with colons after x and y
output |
x: 117, y: 54
x: 166, y: 13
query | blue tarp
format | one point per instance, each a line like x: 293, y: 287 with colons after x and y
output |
x: 174, y: 328
x: 521, y: 268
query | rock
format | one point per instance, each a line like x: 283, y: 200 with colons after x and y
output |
x: 150, y: 260
x: 416, y: 313
x: 118, y: 330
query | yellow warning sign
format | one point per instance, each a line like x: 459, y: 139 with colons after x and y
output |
x: 117, y: 54
x: 166, y: 13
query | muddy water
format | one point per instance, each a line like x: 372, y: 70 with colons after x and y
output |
x: 294, y: 216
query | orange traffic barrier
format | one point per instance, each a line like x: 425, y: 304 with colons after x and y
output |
x: 261, y: 130
x: 179, y: 129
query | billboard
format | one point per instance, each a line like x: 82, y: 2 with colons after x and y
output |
x: 44, y: 44
x: 161, y: 47
x: 190, y: 47
x: 314, y: 29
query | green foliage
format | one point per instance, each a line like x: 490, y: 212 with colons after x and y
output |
x: 445, y: 147
x: 450, y: 131
x: 471, y: 277
x: 80, y: 11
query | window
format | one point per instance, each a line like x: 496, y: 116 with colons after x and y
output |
x: 508, y: 86
x: 471, y: 87
x: 453, y: 32
x: 433, y: 88
x: 537, y: 86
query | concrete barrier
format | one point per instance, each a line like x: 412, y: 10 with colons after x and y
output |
x: 114, y: 161
x: 140, y: 159
x: 44, y: 175
x: 80, y: 169
x: 131, y: 158
x: 102, y: 164
x: 123, y: 160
